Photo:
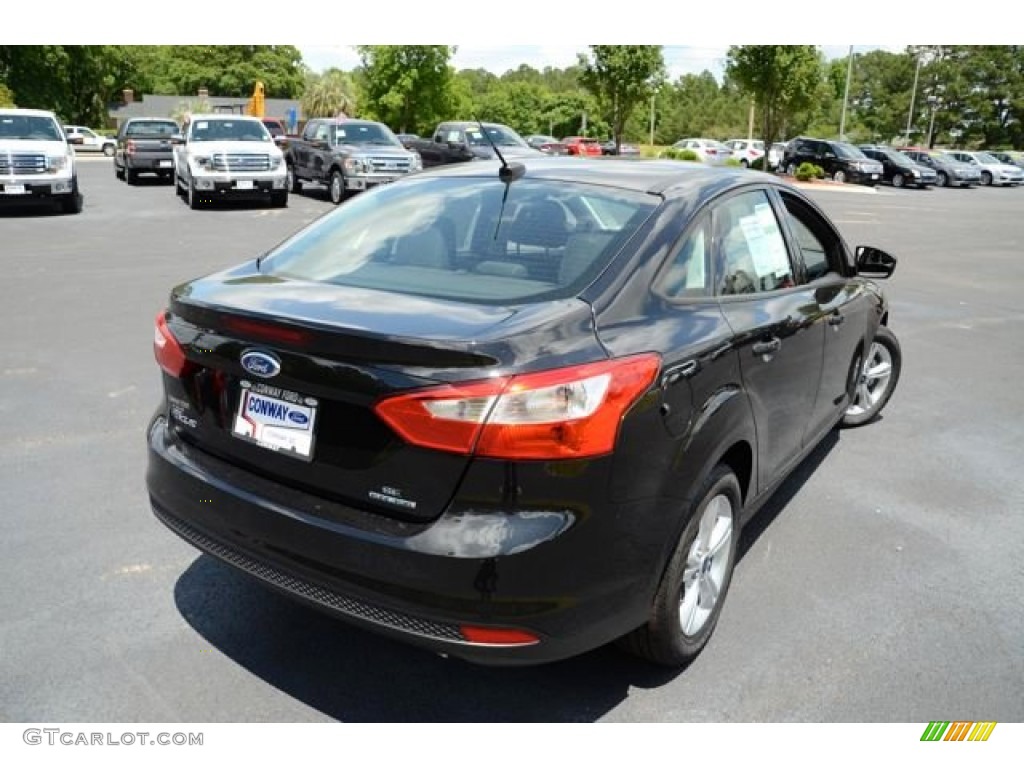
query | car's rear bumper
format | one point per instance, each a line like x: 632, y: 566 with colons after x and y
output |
x: 155, y: 162
x: 571, y: 577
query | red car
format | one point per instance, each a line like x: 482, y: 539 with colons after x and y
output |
x: 580, y: 145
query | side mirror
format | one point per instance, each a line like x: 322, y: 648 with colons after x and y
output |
x: 874, y: 262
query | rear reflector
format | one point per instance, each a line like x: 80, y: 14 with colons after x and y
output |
x: 565, y: 413
x: 168, y: 352
x: 498, y: 636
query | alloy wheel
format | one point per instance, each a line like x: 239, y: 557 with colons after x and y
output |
x: 873, y: 380
x: 707, y: 565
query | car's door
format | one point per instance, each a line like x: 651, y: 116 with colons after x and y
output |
x: 840, y: 304
x: 90, y: 141
x: 777, y: 330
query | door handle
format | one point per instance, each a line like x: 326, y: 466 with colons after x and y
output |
x: 677, y: 373
x: 836, y: 319
x: 767, y: 347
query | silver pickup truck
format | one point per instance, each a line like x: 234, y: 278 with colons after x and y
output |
x: 36, y: 160
x: 347, y: 156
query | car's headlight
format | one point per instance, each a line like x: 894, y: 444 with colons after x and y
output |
x: 416, y: 164
x: 353, y: 164
x: 202, y: 161
x: 275, y: 162
x: 57, y: 162
x: 917, y: 173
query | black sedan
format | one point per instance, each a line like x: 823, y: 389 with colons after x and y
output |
x: 513, y: 413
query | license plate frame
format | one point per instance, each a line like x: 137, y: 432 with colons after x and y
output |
x: 244, y: 185
x: 14, y: 189
x: 266, y: 417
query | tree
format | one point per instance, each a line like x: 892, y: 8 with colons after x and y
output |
x: 6, y: 97
x: 622, y: 77
x: 328, y: 94
x: 784, y: 80
x: 406, y: 86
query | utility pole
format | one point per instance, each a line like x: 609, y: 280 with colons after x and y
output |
x: 750, y: 123
x: 652, y: 118
x: 846, y: 96
x: 913, y: 97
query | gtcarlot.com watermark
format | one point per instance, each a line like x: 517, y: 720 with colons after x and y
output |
x: 59, y: 736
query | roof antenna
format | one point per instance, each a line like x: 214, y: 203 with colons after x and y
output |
x: 507, y: 173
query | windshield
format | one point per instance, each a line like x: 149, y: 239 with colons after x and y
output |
x: 848, y: 151
x: 985, y: 158
x: 160, y: 128
x: 364, y: 133
x: 500, y: 135
x: 29, y: 128
x: 467, y: 239
x: 275, y: 129
x: 229, y: 130
x: 898, y: 158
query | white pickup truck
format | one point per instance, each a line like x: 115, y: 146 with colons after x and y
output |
x: 36, y: 160
x: 227, y: 156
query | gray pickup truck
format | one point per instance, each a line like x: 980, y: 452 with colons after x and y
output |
x: 347, y: 156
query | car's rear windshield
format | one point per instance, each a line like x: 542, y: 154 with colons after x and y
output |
x: 229, y: 130
x: 274, y: 128
x: 468, y: 239
x: 158, y: 128
x: 29, y: 128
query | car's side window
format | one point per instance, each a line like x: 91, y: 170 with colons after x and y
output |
x: 685, y: 275
x: 751, y: 251
x: 819, y: 244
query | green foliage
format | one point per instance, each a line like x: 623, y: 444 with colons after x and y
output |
x: 6, y: 97
x: 622, y: 77
x: 732, y: 162
x: 328, y: 94
x: 688, y: 155
x: 406, y: 86
x: 224, y: 70
x: 757, y: 165
x: 784, y: 81
x: 808, y: 171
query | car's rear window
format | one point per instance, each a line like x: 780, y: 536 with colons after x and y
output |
x: 160, y: 128
x: 468, y: 239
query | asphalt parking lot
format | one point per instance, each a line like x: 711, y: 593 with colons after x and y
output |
x: 882, y: 583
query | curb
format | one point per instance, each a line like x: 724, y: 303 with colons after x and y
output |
x: 857, y: 189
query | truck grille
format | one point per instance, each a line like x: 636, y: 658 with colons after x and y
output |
x: 222, y: 162
x: 390, y: 164
x: 11, y: 163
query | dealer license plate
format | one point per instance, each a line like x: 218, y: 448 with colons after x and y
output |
x: 276, y: 419
x: 243, y: 184
x: 14, y: 189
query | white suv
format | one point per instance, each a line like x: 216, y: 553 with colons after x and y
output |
x: 36, y: 160
x: 226, y: 156
x: 87, y: 140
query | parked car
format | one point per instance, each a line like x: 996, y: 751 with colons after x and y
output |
x: 992, y: 171
x: 708, y: 150
x: 549, y: 145
x: 276, y: 129
x: 36, y: 160
x: 146, y: 145
x: 949, y: 172
x: 624, y: 150
x: 513, y: 413
x: 1009, y: 157
x: 225, y: 156
x: 898, y: 169
x: 840, y: 161
x: 582, y: 146
x: 746, y: 150
x: 85, y: 139
x: 468, y: 134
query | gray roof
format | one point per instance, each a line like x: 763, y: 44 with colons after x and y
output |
x: 151, y: 105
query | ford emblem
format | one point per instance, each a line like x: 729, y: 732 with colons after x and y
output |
x: 298, y: 417
x: 261, y: 364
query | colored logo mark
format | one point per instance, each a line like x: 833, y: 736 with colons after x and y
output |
x: 957, y: 731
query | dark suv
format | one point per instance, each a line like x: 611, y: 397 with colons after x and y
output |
x: 898, y: 169
x: 840, y: 161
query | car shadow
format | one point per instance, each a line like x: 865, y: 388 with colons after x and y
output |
x: 357, y: 676
x: 23, y: 209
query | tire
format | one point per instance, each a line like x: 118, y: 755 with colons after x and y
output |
x: 874, y: 379
x: 986, y: 179
x: 130, y: 176
x: 791, y: 169
x: 679, y: 625
x: 942, y: 180
x: 177, y: 187
x: 74, y: 202
x: 839, y: 177
x: 336, y: 187
x: 118, y: 172
x: 192, y: 197
x: 744, y: 163
x: 108, y: 150
x: 897, y: 181
x: 293, y: 184
x: 279, y: 199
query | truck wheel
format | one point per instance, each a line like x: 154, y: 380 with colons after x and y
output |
x: 194, y: 200
x: 279, y: 199
x: 118, y: 172
x: 130, y: 176
x: 108, y: 150
x: 293, y: 183
x: 72, y: 203
x: 336, y: 187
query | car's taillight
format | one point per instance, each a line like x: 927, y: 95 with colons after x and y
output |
x: 497, y: 636
x: 129, y: 147
x: 168, y: 352
x: 564, y: 413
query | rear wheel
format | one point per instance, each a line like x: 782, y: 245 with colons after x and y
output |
x: 744, y: 163
x: 130, y: 176
x: 118, y: 172
x: 108, y: 150
x: 689, y: 600
x: 874, y: 379
x: 839, y: 177
x: 791, y: 169
x: 336, y: 187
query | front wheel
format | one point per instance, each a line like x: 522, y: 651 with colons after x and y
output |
x: 72, y: 203
x: 194, y: 200
x: 986, y: 179
x: 839, y: 177
x: 897, y: 181
x: 689, y: 600
x: 336, y: 187
x: 942, y: 180
x: 874, y: 379
x: 292, y: 181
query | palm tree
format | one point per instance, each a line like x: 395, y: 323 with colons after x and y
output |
x: 329, y: 94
